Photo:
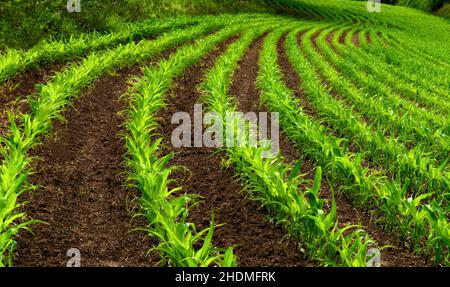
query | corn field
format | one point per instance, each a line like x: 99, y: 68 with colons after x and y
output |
x: 363, y: 103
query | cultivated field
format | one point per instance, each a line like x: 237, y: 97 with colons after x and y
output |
x: 87, y: 160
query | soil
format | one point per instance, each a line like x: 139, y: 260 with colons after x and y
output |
x: 86, y: 205
x: 257, y: 241
x: 293, y: 78
x: 330, y: 41
x: 355, y: 39
x: 14, y: 91
x: 25, y: 84
x: 347, y: 214
x: 83, y: 198
x: 368, y: 37
x: 248, y: 100
x: 343, y: 36
x: 314, y: 38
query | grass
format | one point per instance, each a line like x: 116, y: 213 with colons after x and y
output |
x: 33, y: 21
x: 424, y: 5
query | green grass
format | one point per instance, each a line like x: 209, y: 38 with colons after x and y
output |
x: 25, y: 23
x: 424, y: 5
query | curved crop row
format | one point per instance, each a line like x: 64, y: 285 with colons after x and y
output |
x: 352, y: 67
x: 431, y: 54
x: 367, y: 189
x: 50, y: 102
x: 322, y: 9
x: 165, y: 211
x: 277, y: 185
x: 423, y: 73
x: 373, y: 59
x: 14, y: 62
x: 403, y: 163
x: 388, y: 111
x: 437, y: 66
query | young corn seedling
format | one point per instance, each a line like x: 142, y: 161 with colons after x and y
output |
x: 47, y: 106
x: 276, y: 185
x: 165, y: 211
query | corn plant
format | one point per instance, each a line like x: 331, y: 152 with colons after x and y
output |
x: 379, y: 150
x: 277, y: 186
x: 167, y: 213
x: 15, y: 61
x: 51, y: 100
x: 364, y: 186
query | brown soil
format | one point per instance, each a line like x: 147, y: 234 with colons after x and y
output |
x: 314, y: 38
x: 13, y: 92
x: 25, y: 84
x: 248, y: 99
x: 368, y: 37
x: 82, y: 198
x: 293, y: 78
x: 347, y: 215
x: 355, y: 39
x: 257, y: 241
x: 248, y: 96
x: 343, y: 36
x: 330, y: 41
x: 305, y: 102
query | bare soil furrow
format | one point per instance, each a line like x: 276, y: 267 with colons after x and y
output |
x: 356, y: 39
x: 245, y: 91
x: 83, y: 199
x: 347, y: 214
x: 258, y: 243
x: 13, y: 92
